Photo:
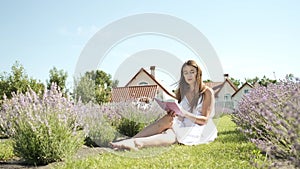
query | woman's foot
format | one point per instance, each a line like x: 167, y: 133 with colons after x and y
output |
x: 138, y: 144
x: 128, y: 144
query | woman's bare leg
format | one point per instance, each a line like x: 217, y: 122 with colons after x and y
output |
x: 163, y: 139
x: 157, y: 127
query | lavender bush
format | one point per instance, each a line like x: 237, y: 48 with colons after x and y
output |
x: 134, y: 117
x: 128, y: 118
x: 105, y: 123
x: 98, y: 129
x: 269, y: 117
x: 43, y: 129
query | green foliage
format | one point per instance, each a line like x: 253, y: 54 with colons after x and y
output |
x: 262, y: 82
x: 58, y: 77
x: 84, y: 89
x: 236, y: 82
x: 94, y: 86
x: 45, y: 143
x: 103, y: 84
x: 265, y: 81
x: 290, y: 77
x: 43, y: 129
x: 132, y: 118
x: 207, y: 81
x: 18, y: 81
x: 104, y: 123
x: 97, y: 128
x: 252, y: 81
x: 101, y: 134
x: 130, y: 127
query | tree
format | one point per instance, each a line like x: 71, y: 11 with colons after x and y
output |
x: 236, y: 82
x: 290, y: 77
x: 4, y: 85
x: 265, y: 81
x: 115, y: 83
x: 18, y: 81
x: 59, y: 77
x: 252, y: 81
x: 100, y: 83
x: 84, y: 89
x: 36, y: 85
x: 207, y: 81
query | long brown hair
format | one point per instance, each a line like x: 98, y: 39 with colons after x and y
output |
x: 183, y: 86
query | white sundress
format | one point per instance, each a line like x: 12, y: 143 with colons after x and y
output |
x: 189, y: 133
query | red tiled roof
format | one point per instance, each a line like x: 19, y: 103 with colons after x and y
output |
x: 133, y: 92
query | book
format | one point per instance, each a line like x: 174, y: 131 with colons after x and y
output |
x: 169, y: 105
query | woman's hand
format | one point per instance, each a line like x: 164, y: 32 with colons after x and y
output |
x: 171, y: 113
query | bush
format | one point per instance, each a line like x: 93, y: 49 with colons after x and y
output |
x: 43, y: 129
x: 135, y: 117
x: 101, y: 135
x: 269, y: 117
x: 130, y: 127
x: 104, y: 123
x: 99, y: 132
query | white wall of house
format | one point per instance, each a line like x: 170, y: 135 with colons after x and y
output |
x: 143, y: 79
x: 140, y: 78
x: 225, y: 92
x: 239, y: 95
x: 224, y: 104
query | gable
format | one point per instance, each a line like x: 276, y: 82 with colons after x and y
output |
x: 222, y: 88
x: 144, y: 76
x: 141, y: 77
x: 216, y: 86
x: 240, y: 91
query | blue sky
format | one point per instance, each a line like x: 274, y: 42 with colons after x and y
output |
x: 251, y: 38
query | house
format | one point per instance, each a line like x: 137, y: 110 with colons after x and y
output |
x: 223, y: 92
x: 238, y: 95
x: 142, y: 85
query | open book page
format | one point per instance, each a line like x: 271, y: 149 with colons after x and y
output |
x: 169, y: 105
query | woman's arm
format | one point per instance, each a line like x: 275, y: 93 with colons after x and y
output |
x: 207, y: 107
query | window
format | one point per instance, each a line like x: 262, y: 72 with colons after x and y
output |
x: 143, y: 83
x: 227, y: 97
x: 246, y: 91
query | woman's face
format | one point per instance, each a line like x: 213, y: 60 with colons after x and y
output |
x: 189, y: 74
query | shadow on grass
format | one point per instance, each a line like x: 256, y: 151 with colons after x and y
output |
x: 3, y: 137
x: 17, y: 164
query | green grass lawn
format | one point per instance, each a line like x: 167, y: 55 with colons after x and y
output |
x: 6, y: 150
x: 230, y: 150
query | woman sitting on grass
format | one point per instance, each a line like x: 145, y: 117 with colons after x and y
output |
x: 194, y: 126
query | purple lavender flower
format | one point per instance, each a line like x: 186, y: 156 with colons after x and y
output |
x: 28, y: 115
x: 272, y: 114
